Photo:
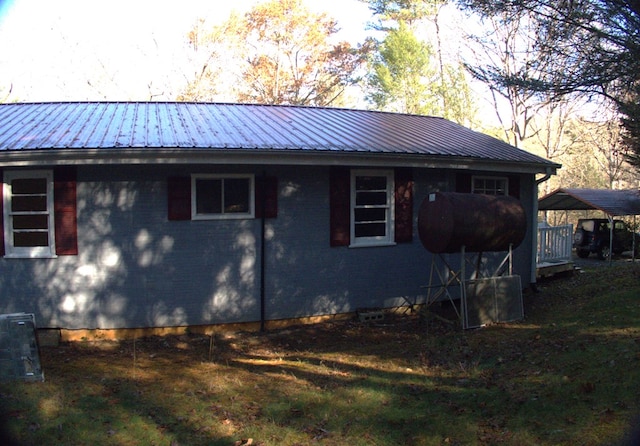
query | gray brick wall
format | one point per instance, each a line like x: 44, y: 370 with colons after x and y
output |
x: 137, y: 269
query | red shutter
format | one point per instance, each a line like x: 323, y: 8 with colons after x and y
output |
x: 463, y: 183
x: 179, y: 198
x: 339, y: 205
x: 65, y: 211
x: 403, y: 205
x: 1, y: 214
x: 266, y: 197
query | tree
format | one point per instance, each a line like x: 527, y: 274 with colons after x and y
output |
x: 552, y: 128
x: 407, y: 11
x: 555, y: 136
x: 208, y: 59
x: 412, y: 12
x: 457, y: 99
x: 401, y: 76
x: 281, y: 53
x: 582, y: 46
x: 407, y: 73
x: 506, y: 50
x: 603, y: 140
x: 7, y: 94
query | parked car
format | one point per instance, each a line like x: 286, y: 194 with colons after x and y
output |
x: 593, y: 235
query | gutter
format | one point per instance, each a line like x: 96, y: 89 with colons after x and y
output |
x: 547, y: 175
x: 262, y: 157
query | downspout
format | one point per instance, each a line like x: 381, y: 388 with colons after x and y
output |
x: 263, y: 208
x: 534, y: 228
x: 633, y: 241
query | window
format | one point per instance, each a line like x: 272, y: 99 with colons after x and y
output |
x: 371, y: 207
x: 222, y: 197
x: 28, y: 214
x: 490, y: 185
x: 341, y: 218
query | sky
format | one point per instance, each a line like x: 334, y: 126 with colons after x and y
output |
x: 53, y: 50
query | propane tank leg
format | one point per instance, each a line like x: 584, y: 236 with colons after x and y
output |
x: 463, y: 288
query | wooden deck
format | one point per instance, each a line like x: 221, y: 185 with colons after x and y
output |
x: 548, y: 269
x: 554, y: 250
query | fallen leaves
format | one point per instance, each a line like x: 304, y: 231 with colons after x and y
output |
x: 548, y: 378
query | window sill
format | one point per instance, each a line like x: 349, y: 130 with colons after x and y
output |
x: 371, y: 244
x: 202, y: 217
x: 30, y: 256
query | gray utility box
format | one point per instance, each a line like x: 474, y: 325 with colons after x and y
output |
x: 19, y: 352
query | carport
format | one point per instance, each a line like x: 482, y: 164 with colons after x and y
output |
x: 614, y: 203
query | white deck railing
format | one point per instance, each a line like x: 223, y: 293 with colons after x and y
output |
x: 554, y: 243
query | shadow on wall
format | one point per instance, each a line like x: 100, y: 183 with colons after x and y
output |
x: 135, y: 268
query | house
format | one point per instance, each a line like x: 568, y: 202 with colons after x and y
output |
x: 133, y: 215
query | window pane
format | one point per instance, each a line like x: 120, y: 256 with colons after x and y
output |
x: 490, y: 186
x: 209, y: 196
x: 370, y: 215
x: 31, y: 221
x: 29, y: 186
x: 371, y: 198
x: 587, y: 225
x: 371, y: 183
x: 370, y: 229
x: 30, y: 239
x: 27, y: 203
x: 236, y: 195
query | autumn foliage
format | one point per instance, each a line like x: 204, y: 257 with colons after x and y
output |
x: 280, y: 52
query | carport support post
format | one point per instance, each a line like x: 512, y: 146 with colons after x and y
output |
x: 610, y: 217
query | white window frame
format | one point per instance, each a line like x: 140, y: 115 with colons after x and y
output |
x: 388, y: 239
x: 505, y: 181
x: 222, y: 215
x: 12, y: 251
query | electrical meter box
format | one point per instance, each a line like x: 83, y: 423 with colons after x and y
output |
x: 19, y: 351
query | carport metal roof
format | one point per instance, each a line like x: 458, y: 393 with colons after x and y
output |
x: 612, y: 202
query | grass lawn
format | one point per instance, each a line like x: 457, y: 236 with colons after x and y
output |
x: 567, y: 374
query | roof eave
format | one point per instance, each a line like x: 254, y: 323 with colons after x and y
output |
x: 56, y: 157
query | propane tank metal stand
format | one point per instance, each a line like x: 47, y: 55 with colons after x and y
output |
x: 447, y: 283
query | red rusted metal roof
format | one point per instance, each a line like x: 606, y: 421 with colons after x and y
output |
x: 242, y: 127
x: 612, y: 202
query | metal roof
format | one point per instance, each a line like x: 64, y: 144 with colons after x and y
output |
x: 611, y: 202
x: 149, y: 126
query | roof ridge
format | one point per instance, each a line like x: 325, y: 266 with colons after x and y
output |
x: 221, y: 103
